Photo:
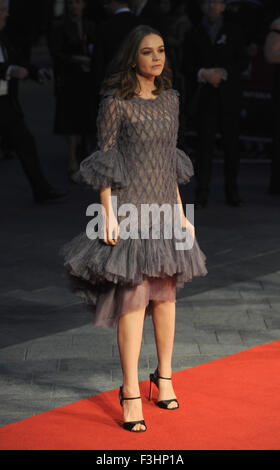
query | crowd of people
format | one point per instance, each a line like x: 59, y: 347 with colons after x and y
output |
x: 209, y: 44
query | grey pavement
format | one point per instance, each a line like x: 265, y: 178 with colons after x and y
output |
x: 50, y: 354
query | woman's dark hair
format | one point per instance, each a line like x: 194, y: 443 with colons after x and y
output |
x: 121, y: 75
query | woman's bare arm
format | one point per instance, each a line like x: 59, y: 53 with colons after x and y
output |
x: 185, y: 222
x: 111, y: 227
x: 105, y: 198
x: 180, y: 202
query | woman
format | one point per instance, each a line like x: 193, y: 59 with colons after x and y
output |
x: 71, y: 43
x: 138, y: 163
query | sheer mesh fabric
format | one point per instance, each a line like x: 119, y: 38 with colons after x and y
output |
x: 109, y: 301
x: 139, y: 159
x: 137, y: 140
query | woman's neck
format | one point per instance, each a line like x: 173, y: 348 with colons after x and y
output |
x: 146, y: 86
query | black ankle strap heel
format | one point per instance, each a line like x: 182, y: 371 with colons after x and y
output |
x: 163, y: 403
x: 129, y: 425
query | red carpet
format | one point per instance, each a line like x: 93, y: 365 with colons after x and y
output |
x: 232, y: 403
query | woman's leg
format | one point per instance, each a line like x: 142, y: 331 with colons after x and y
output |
x: 130, y: 329
x: 164, y: 313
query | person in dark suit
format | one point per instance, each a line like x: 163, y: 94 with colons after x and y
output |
x: 110, y: 34
x: 108, y: 38
x: 213, y: 61
x: 145, y: 8
x: 71, y: 41
x: 12, y: 123
x: 152, y: 12
x: 24, y: 24
x: 272, y: 55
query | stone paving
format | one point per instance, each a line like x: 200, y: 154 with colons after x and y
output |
x: 50, y: 354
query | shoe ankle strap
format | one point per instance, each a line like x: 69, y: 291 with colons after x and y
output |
x: 166, y: 378
x: 133, y: 398
x: 129, y: 398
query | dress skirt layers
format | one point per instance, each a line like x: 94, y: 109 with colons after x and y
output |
x: 139, y: 159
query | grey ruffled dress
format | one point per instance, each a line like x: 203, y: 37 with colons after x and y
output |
x: 139, y: 159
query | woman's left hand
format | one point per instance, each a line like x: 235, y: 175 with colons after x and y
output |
x: 186, y: 224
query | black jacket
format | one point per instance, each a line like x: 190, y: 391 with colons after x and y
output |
x: 63, y: 42
x: 109, y: 36
x: 11, y: 57
x: 227, y: 52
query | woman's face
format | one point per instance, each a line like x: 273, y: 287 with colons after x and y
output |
x: 151, y: 56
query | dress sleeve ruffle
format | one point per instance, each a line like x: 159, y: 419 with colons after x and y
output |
x: 106, y: 166
x: 103, y: 169
x: 184, y: 167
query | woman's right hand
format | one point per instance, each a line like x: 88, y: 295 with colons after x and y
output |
x: 110, y: 228
x: 187, y: 224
